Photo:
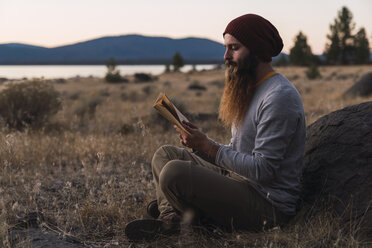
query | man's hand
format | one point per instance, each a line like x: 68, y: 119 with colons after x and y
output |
x: 197, y: 140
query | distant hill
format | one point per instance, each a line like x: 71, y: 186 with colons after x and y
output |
x: 126, y: 49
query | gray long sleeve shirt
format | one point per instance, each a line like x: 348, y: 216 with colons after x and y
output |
x: 268, y: 147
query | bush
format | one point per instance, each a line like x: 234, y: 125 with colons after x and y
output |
x: 126, y: 129
x: 196, y: 86
x: 143, y: 77
x: 75, y: 95
x: 167, y: 84
x: 104, y: 92
x: 87, y: 107
x: 28, y: 104
x: 148, y: 89
x: 60, y: 81
x: 115, y: 77
x: 132, y: 96
x: 2, y: 79
x: 218, y: 83
x: 313, y: 72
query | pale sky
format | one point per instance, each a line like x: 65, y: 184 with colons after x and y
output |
x: 53, y: 23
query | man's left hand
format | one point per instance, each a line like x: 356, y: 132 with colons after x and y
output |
x: 196, y: 140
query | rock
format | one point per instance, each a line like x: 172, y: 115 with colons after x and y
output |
x: 338, y: 164
x: 361, y: 88
x: 36, y: 237
x: 31, y: 230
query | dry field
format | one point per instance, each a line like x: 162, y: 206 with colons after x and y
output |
x: 87, y: 173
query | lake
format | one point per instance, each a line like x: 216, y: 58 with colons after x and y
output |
x: 67, y: 71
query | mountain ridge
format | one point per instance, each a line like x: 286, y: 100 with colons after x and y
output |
x: 126, y: 49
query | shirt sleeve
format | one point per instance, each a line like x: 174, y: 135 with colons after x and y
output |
x: 277, y: 121
x: 220, y: 145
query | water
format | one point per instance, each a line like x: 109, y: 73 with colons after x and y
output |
x: 67, y: 71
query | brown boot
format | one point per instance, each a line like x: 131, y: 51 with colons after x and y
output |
x: 152, y: 209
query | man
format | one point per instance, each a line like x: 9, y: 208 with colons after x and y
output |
x: 252, y: 183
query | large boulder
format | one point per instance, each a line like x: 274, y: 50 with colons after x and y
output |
x: 361, y: 88
x: 338, y: 164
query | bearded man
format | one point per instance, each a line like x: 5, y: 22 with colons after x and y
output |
x: 252, y: 183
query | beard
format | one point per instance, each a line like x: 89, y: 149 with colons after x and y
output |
x: 240, y: 80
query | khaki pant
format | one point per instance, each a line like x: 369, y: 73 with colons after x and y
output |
x: 185, y: 182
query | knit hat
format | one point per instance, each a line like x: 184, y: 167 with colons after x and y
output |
x: 257, y: 34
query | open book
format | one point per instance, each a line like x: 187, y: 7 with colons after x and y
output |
x: 167, y: 109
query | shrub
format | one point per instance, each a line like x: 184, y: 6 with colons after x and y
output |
x: 313, y: 72
x: 75, y: 95
x: 104, y: 92
x: 293, y: 77
x: 143, y: 77
x: 167, y: 84
x: 196, y: 86
x: 149, y: 89
x: 28, y: 104
x: 132, y: 96
x: 126, y: 129
x: 115, y: 77
x: 3, y: 79
x: 198, y: 93
x: 87, y: 107
x: 60, y: 81
x: 218, y: 83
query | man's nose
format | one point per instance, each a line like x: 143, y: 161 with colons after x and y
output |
x: 227, y: 55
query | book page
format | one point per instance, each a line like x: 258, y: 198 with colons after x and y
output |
x: 167, y: 109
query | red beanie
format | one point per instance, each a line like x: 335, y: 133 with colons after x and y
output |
x: 257, y: 34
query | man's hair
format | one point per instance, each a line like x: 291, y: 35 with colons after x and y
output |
x: 240, y: 82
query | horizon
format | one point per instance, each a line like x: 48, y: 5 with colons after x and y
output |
x: 108, y: 36
x: 52, y: 23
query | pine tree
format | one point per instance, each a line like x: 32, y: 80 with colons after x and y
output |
x: 361, y: 47
x: 333, y: 50
x: 341, y: 50
x: 113, y: 75
x: 177, y: 61
x: 300, y: 53
x: 111, y: 65
x: 167, y: 68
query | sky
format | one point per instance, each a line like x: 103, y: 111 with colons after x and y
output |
x: 52, y: 23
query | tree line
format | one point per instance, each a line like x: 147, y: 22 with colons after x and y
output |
x: 344, y: 46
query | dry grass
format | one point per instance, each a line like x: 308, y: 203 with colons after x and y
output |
x: 90, y: 174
